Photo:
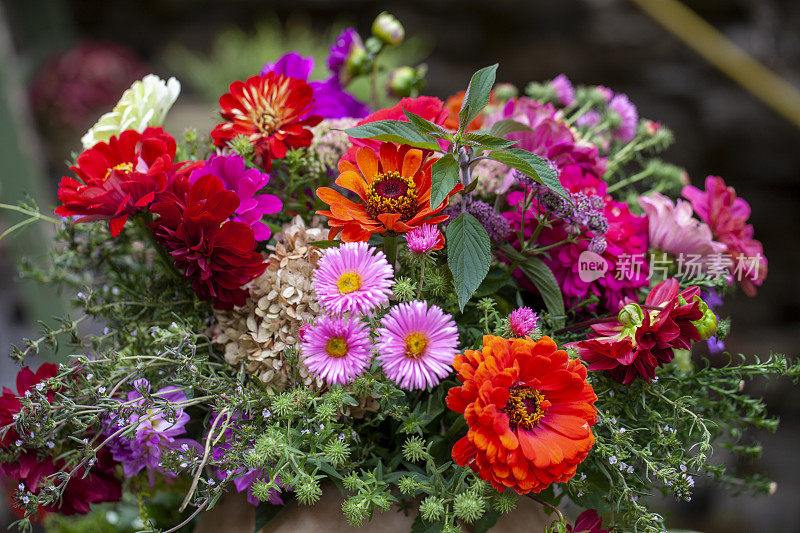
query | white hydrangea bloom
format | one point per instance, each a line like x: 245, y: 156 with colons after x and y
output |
x: 144, y: 104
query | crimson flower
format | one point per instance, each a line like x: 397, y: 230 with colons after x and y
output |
x: 9, y: 401
x: 118, y: 178
x: 218, y: 255
x: 272, y: 111
x: 643, y: 339
x: 588, y: 522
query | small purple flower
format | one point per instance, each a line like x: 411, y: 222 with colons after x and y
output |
x: 589, y: 119
x: 629, y: 117
x: 565, y: 92
x: 493, y: 222
x: 246, y: 183
x: 292, y: 64
x: 155, y: 430
x: 347, y: 43
x: 522, y: 321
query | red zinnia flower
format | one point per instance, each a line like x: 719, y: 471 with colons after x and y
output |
x: 9, y: 401
x: 588, y: 522
x: 644, y: 339
x: 529, y: 409
x: 218, y: 255
x: 272, y: 111
x: 118, y: 178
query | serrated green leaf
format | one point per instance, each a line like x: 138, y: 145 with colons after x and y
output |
x: 396, y: 131
x: 531, y: 165
x: 468, y: 255
x: 501, y: 128
x: 426, y: 127
x: 444, y: 176
x: 543, y: 279
x: 484, y: 140
x: 477, y: 96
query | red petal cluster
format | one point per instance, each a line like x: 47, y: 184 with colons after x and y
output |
x: 271, y: 110
x: 529, y: 409
x: 216, y: 254
x: 626, y: 355
x: 588, y: 522
x: 118, y: 178
x: 9, y: 401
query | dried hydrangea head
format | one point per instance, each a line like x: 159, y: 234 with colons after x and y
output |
x: 281, y: 300
x: 329, y: 144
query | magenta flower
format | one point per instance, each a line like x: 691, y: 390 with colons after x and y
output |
x: 628, y: 115
x: 417, y: 345
x: 522, y: 321
x: 424, y: 238
x: 727, y: 215
x: 589, y: 119
x: 245, y: 182
x: 347, y: 44
x: 337, y: 349
x: 565, y: 92
x: 353, y: 278
x: 673, y: 230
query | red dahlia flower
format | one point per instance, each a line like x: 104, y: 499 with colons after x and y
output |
x: 9, y: 401
x: 644, y: 339
x: 118, y: 178
x: 218, y: 255
x: 272, y: 111
x: 588, y: 522
x: 529, y: 409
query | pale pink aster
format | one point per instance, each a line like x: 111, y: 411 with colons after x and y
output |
x: 353, y: 278
x: 522, y: 321
x: 565, y: 92
x: 417, y: 345
x: 337, y: 349
x: 424, y: 238
x: 673, y: 229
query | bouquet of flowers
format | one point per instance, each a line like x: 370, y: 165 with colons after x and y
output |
x: 434, y: 308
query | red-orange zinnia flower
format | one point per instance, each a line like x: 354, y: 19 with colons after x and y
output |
x: 529, y: 409
x: 271, y: 110
x: 453, y: 106
x: 394, y: 189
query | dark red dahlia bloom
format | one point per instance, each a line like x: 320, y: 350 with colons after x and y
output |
x: 644, y: 338
x: 100, y: 485
x: 9, y: 401
x: 218, y: 255
x: 588, y: 522
x: 272, y: 111
x: 118, y: 178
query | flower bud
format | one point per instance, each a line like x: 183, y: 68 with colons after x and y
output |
x: 402, y: 81
x: 505, y: 92
x: 388, y: 29
x: 631, y: 315
x: 707, y: 325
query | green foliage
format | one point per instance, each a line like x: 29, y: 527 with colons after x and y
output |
x: 469, y: 255
x: 444, y: 177
x: 477, y: 96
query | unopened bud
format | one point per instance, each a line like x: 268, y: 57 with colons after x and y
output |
x: 631, y: 315
x: 402, y: 81
x: 388, y: 29
x: 707, y: 325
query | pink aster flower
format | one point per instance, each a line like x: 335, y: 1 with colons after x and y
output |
x: 565, y: 92
x: 337, y: 349
x: 727, y: 215
x: 629, y: 117
x: 417, y: 345
x: 424, y: 238
x: 673, y: 230
x: 522, y: 321
x: 353, y: 278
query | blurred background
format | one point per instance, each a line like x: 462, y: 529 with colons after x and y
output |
x: 64, y: 63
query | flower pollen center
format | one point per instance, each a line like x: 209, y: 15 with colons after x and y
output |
x: 525, y: 407
x: 122, y: 167
x: 415, y: 345
x: 336, y: 347
x: 391, y: 192
x: 348, y: 282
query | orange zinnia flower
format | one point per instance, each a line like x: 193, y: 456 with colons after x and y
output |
x: 529, y: 409
x: 394, y: 192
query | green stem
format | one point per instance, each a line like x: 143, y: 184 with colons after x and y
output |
x: 630, y: 180
x: 166, y: 259
x: 390, y: 249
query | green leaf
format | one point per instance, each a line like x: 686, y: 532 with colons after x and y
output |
x: 396, y: 131
x: 325, y: 244
x: 543, y: 279
x: 468, y: 255
x: 486, y: 522
x: 531, y: 165
x: 501, y: 128
x: 477, y: 96
x: 421, y: 526
x: 444, y: 176
x: 426, y: 127
x: 264, y: 513
x: 490, y: 142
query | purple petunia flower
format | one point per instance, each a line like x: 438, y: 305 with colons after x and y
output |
x: 155, y: 430
x: 347, y: 43
x: 417, y: 345
x: 246, y: 183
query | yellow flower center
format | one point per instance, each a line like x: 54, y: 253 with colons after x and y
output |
x: 336, y: 347
x: 525, y: 407
x: 122, y: 167
x: 349, y: 282
x: 390, y: 192
x: 415, y: 345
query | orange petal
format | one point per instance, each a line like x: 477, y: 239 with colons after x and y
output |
x: 331, y: 197
x: 367, y: 162
x: 353, y: 181
x: 390, y: 220
x: 411, y: 162
x: 355, y: 233
x: 388, y: 153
